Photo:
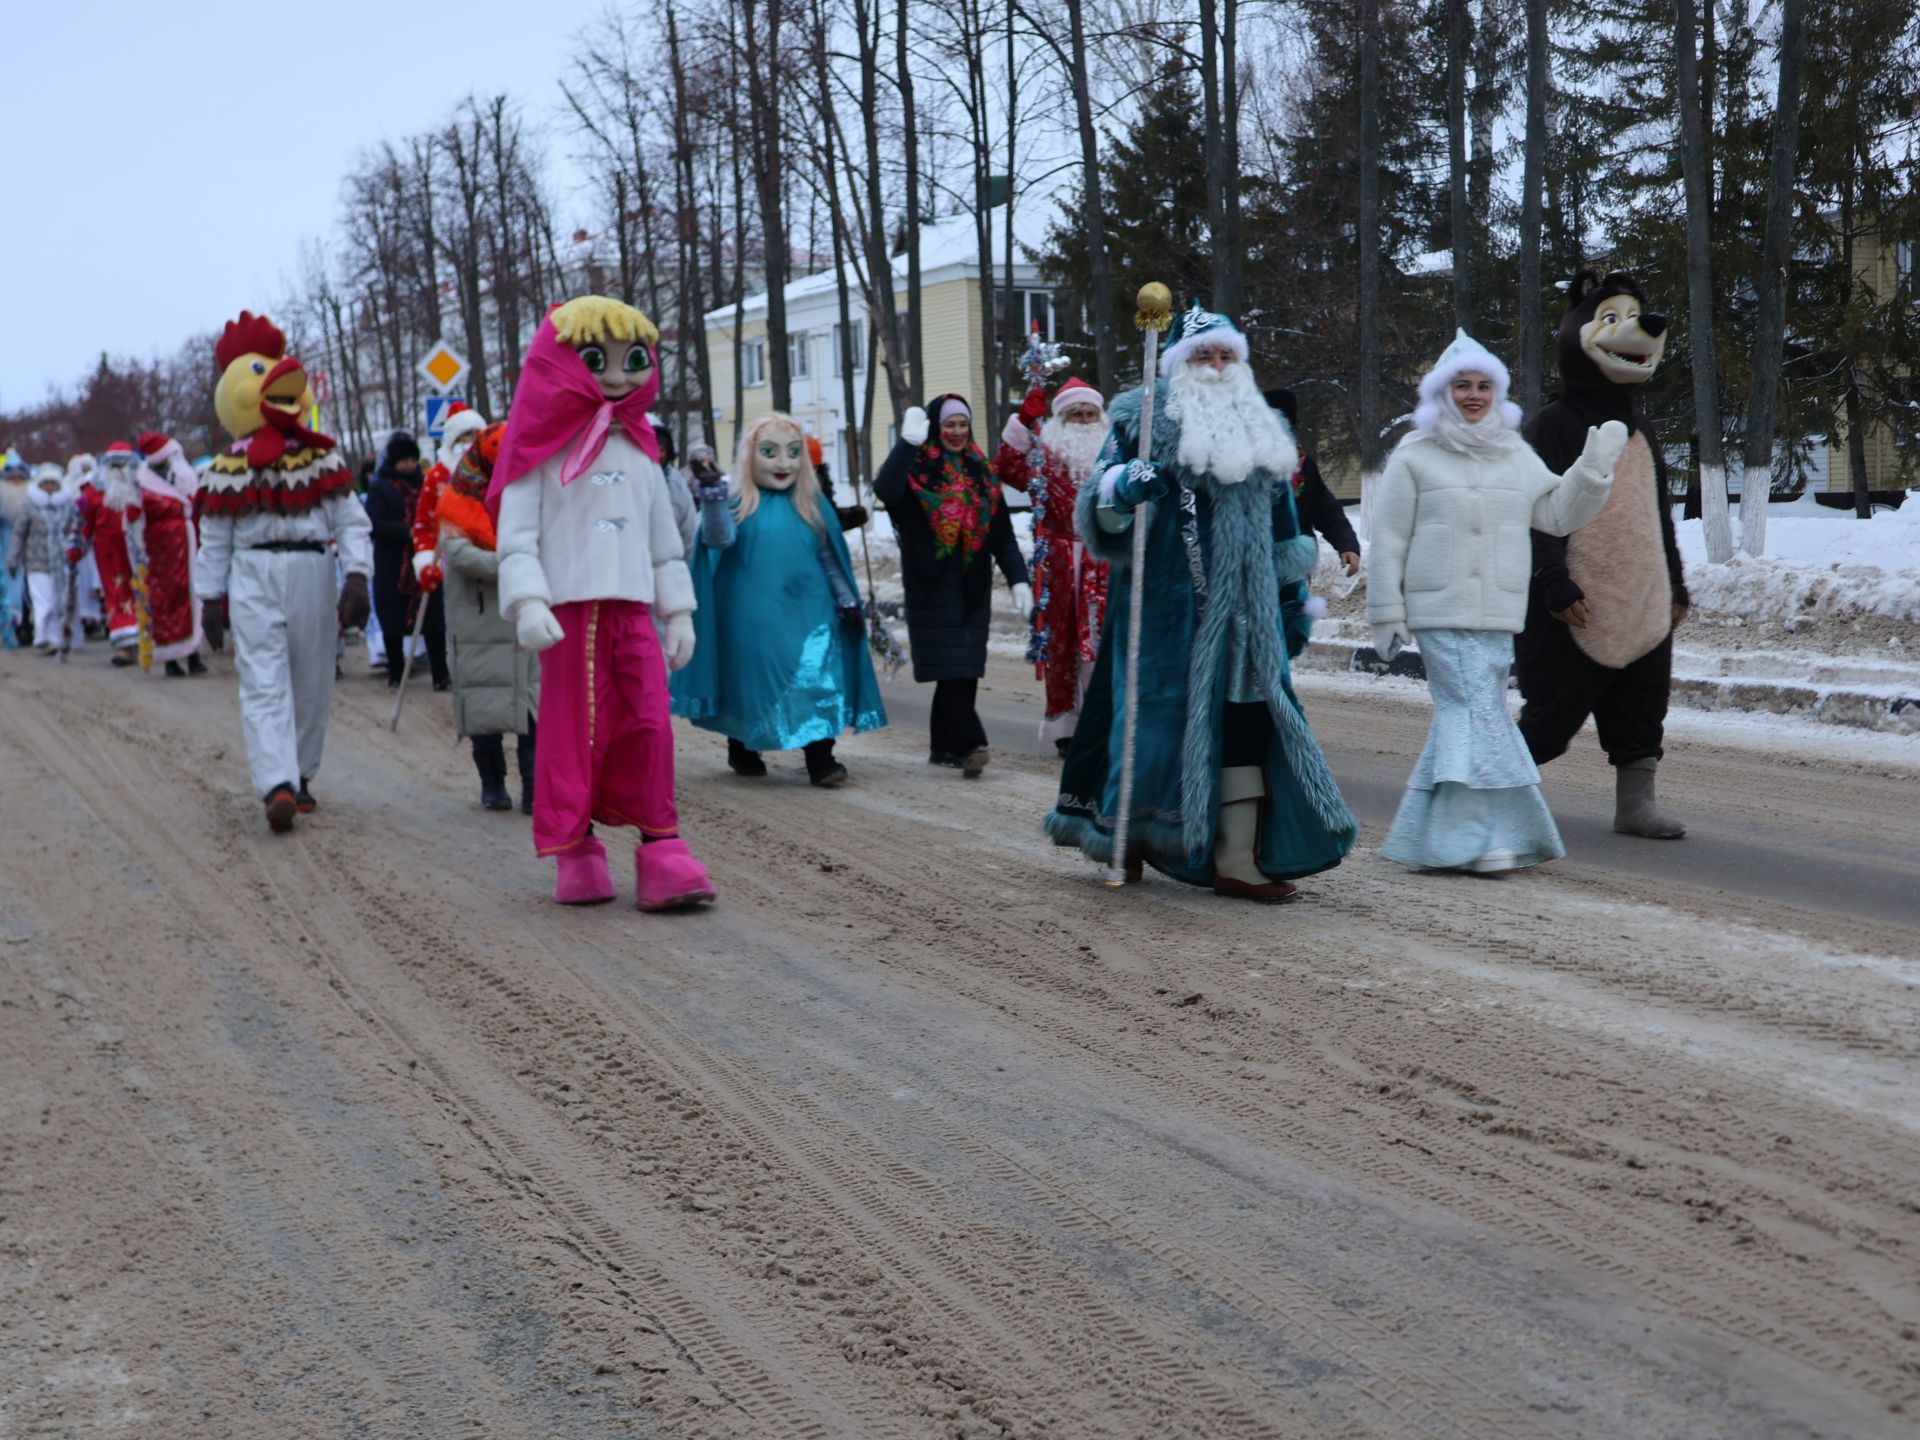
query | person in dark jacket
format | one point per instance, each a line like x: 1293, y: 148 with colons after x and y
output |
x: 1319, y: 509
x: 954, y: 528
x: 390, y: 503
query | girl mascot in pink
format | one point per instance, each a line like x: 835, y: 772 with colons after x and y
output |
x: 589, y: 553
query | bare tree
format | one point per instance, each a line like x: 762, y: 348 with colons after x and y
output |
x: 1532, y: 364
x: 1776, y: 253
x: 1457, y: 162
x: 1369, y: 319
x: 1708, y: 444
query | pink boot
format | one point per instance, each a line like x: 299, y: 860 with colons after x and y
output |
x: 582, y: 877
x: 667, y: 877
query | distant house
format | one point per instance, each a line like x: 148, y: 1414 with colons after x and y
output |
x: 950, y: 337
x: 1887, y: 267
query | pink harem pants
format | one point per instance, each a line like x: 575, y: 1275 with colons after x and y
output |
x: 603, y: 700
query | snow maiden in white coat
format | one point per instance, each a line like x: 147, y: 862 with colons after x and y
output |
x: 589, y: 552
x: 1450, y: 564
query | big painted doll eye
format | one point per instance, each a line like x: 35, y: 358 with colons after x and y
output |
x: 768, y: 450
x: 595, y: 358
x: 638, y: 361
x: 793, y: 451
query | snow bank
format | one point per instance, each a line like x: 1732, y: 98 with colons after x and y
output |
x: 1817, y: 563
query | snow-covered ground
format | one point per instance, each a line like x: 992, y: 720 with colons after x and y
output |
x: 1824, y: 628
x: 1818, y: 562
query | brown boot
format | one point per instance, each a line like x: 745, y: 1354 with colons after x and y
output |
x: 1236, y: 843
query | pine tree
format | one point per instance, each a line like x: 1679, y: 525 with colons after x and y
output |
x: 1155, y: 184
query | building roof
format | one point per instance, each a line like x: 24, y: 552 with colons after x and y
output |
x: 949, y: 250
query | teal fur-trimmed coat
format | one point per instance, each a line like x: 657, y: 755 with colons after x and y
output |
x: 1250, y: 547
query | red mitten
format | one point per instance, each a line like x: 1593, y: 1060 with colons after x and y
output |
x: 1034, y: 407
x: 430, y: 579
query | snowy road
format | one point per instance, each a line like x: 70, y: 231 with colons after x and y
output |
x: 1779, y: 811
x: 922, y: 1132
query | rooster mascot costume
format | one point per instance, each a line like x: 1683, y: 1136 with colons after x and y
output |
x: 270, y: 507
x: 589, y: 552
x: 1050, y: 462
x: 162, y: 532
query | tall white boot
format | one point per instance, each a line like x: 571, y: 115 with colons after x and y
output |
x: 1236, y: 843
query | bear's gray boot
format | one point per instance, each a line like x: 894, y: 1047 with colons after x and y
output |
x: 1635, y: 812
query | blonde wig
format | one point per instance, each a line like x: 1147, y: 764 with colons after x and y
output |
x: 806, y: 486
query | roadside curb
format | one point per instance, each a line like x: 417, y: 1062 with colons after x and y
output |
x: 1896, y: 714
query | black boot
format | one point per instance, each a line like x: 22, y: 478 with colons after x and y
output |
x: 490, y: 759
x: 744, y: 761
x: 822, y: 769
x: 174, y: 672
x: 197, y: 666
x: 304, y: 799
x: 523, y: 752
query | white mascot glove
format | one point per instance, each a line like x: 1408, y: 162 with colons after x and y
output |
x: 1023, y: 600
x: 1388, y: 641
x: 679, y: 640
x: 1604, y: 444
x: 421, y: 560
x: 1017, y: 437
x: 535, y: 628
x: 913, y: 426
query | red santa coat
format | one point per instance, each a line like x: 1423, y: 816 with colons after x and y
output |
x: 165, y: 521
x: 1070, y: 586
x: 104, y: 524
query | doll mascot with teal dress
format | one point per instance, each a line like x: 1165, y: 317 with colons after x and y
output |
x: 781, y: 659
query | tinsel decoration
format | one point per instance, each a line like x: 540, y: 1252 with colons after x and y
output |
x: 143, y: 607
x: 886, y: 649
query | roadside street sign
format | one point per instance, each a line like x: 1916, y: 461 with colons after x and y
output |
x: 443, y: 366
x: 437, y: 408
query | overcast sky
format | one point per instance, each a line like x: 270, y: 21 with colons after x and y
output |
x: 160, y: 163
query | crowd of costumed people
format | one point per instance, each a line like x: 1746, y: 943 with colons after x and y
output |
x: 575, y: 588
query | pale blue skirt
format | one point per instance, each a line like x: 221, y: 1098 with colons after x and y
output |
x: 1474, y: 788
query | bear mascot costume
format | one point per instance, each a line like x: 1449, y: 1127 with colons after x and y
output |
x: 1604, y: 600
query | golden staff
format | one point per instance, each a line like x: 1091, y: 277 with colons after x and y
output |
x: 1153, y: 315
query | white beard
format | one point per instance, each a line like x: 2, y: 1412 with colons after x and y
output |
x: 1076, y: 447
x: 119, y: 485
x: 1227, y: 429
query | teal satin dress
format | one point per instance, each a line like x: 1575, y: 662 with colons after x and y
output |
x: 774, y: 666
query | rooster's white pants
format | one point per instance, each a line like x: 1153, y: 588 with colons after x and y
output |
x: 281, y: 609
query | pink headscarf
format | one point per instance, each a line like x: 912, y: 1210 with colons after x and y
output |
x: 557, y: 400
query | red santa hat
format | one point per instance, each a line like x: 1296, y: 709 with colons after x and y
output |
x: 119, y: 447
x: 1077, y: 392
x: 152, y: 442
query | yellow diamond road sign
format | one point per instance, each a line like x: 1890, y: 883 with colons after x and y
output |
x: 443, y: 366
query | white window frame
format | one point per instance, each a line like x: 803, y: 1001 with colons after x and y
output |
x: 753, y: 364
x: 859, y: 349
x: 800, y: 356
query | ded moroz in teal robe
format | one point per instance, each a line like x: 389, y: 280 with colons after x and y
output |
x: 773, y: 665
x: 1247, y: 543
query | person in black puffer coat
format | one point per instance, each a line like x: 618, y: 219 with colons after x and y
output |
x: 390, y: 502
x: 954, y: 528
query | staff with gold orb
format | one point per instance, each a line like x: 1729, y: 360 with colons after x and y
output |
x: 1153, y: 313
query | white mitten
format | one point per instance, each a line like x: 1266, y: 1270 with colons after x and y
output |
x: 421, y: 560
x: 1023, y: 600
x: 1016, y: 436
x: 1604, y: 444
x: 679, y: 640
x: 913, y: 426
x: 1388, y: 641
x: 535, y: 627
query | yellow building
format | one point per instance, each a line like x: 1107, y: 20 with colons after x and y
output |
x: 950, y: 338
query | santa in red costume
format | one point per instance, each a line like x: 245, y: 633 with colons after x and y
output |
x: 105, y: 504
x: 162, y: 532
x: 1050, y: 462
